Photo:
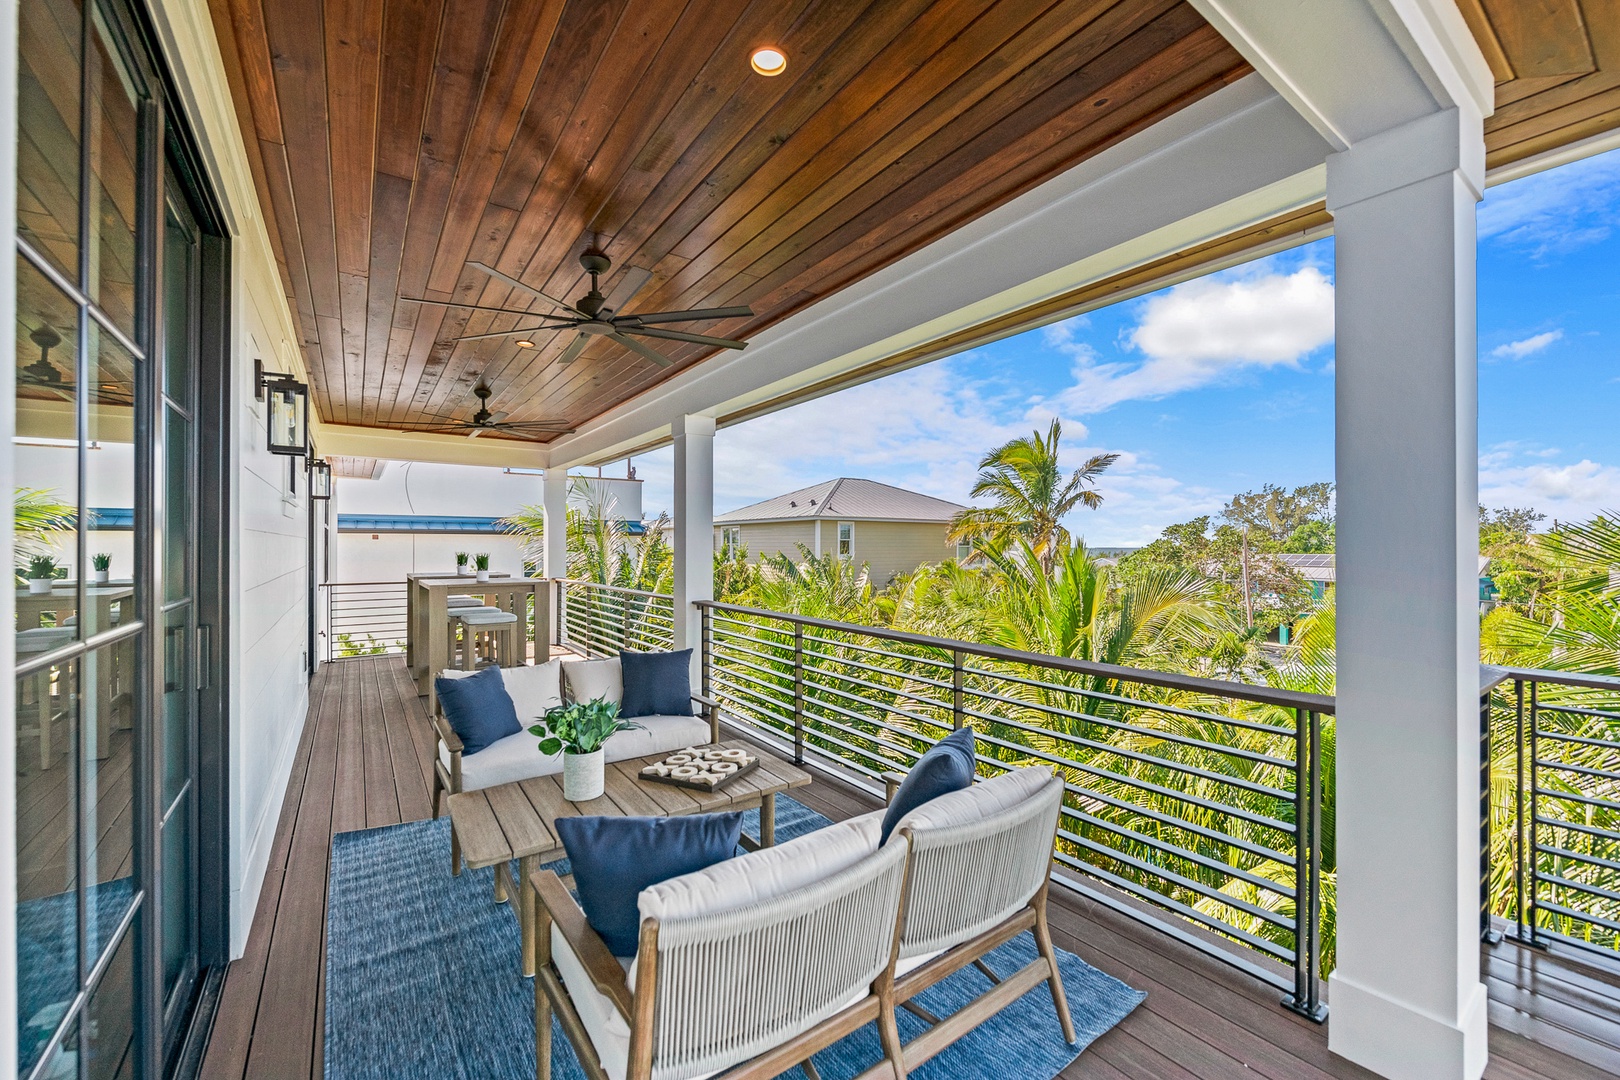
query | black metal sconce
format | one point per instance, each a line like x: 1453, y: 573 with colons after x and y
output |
x: 288, y: 398
x: 320, y: 479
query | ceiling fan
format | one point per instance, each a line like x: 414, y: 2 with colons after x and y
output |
x: 484, y: 420
x: 46, y: 376
x: 595, y: 315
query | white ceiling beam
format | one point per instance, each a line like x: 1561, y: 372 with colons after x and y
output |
x: 1354, y: 68
x: 342, y: 440
x: 1238, y: 157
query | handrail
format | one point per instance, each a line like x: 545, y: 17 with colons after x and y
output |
x: 1263, y: 695
x: 614, y: 588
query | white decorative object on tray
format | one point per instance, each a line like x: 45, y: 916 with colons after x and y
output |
x: 705, y: 767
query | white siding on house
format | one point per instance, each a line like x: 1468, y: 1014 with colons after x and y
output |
x: 889, y: 548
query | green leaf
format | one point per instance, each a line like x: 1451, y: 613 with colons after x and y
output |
x: 550, y: 746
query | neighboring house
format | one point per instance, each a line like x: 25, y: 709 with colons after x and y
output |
x: 1320, y: 571
x: 892, y: 530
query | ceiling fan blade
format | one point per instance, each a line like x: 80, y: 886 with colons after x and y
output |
x: 476, y: 431
x: 557, y: 425
x: 681, y: 335
x: 694, y: 315
x: 512, y: 429
x: 575, y: 347
x: 509, y: 333
x: 637, y: 347
x: 496, y: 418
x: 634, y: 278
x: 507, y: 279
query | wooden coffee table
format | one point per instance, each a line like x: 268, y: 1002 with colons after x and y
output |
x: 493, y: 826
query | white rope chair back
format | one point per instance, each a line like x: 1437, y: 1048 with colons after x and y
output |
x: 734, y: 984
x: 967, y: 878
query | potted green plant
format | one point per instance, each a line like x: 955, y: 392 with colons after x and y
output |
x: 41, y: 574
x: 481, y: 561
x: 580, y: 732
x: 102, y: 562
x: 461, y: 564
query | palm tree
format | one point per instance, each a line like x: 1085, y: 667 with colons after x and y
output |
x: 36, y: 515
x: 1029, y: 495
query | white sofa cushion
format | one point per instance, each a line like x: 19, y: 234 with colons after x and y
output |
x: 533, y: 688
x: 518, y: 757
x: 763, y: 874
x: 592, y: 679
x: 984, y: 799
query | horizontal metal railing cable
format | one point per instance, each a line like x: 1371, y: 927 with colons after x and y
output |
x: 363, y: 618
x: 604, y: 620
x: 1550, y: 860
x: 1211, y: 816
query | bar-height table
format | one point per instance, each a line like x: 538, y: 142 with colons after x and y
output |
x: 411, y: 660
x: 428, y: 627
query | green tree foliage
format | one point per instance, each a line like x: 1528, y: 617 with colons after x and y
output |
x: 601, y: 547
x: 1028, y: 495
x: 38, y: 516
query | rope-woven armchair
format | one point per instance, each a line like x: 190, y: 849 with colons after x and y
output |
x: 753, y: 990
x: 981, y: 865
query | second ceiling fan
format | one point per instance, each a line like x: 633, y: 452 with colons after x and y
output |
x: 594, y: 315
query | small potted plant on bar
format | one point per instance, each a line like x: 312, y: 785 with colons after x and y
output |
x: 103, y: 566
x: 580, y: 731
x: 462, y: 569
x: 41, y: 574
x: 481, y: 561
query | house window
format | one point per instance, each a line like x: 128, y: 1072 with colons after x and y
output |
x: 964, y: 548
x: 846, y: 538
x: 730, y: 539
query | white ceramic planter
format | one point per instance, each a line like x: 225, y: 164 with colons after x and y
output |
x: 463, y: 571
x: 40, y: 586
x: 483, y: 575
x: 583, y: 776
x: 103, y: 576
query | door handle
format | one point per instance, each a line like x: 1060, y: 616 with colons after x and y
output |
x: 205, y: 656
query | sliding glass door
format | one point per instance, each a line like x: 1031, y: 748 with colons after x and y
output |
x: 112, y: 636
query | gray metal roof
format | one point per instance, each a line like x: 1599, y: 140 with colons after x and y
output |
x: 846, y: 499
x: 1322, y: 567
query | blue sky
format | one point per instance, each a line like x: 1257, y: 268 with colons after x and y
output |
x: 1226, y: 383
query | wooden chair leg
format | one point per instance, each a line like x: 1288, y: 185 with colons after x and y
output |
x: 455, y: 853
x: 542, y: 1031
x: 1043, y: 941
x: 438, y: 789
x: 889, y: 1032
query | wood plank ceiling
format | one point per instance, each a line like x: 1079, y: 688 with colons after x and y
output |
x: 395, y: 140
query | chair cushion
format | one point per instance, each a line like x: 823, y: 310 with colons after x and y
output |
x: 656, y: 683
x: 534, y: 688
x: 984, y: 799
x: 478, y: 708
x: 589, y: 680
x: 948, y: 767
x: 518, y: 757
x: 614, y: 858
x: 607, y: 1027
x: 764, y: 874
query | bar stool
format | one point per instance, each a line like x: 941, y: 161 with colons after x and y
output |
x: 453, y: 627
x: 38, y: 640
x: 494, y: 629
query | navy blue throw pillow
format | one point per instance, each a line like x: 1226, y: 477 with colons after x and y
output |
x: 614, y: 858
x: 948, y: 767
x: 656, y: 683
x: 479, y: 709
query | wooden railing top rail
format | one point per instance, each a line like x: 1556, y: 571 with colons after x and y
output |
x: 1264, y: 695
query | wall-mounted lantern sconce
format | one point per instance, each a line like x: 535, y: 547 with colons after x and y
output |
x: 289, y: 410
x: 320, y: 479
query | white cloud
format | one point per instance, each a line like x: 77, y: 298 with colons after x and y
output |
x: 1518, y: 350
x: 1204, y: 332
x: 1569, y: 492
x: 1555, y: 211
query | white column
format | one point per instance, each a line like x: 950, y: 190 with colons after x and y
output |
x: 694, y: 531
x: 1407, y: 1001
x: 554, y: 509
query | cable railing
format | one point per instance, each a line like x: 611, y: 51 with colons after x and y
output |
x: 1550, y: 843
x: 363, y: 618
x: 604, y: 620
x: 1197, y: 797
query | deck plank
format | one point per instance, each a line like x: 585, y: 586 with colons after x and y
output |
x: 368, y: 744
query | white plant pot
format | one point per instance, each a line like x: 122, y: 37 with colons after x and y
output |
x: 40, y: 586
x: 103, y: 576
x: 583, y: 776
x: 483, y: 575
x: 463, y: 571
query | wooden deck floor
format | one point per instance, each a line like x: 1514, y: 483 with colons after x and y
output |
x: 365, y: 760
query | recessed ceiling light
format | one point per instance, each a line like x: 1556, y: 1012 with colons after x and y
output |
x: 525, y: 343
x: 768, y: 60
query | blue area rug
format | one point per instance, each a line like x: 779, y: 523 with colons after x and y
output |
x: 47, y: 955
x: 422, y: 979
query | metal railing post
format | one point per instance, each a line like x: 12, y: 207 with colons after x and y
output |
x: 329, y: 634
x: 624, y: 621
x: 798, y: 693
x: 1486, y: 934
x: 706, y: 647
x: 958, y: 714
x: 1307, y: 866
x: 1528, y: 854
x: 1518, y: 807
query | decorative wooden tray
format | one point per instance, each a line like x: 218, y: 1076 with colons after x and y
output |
x: 706, y: 768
